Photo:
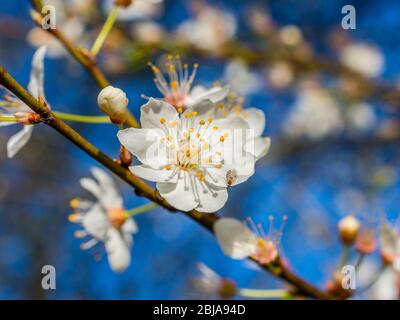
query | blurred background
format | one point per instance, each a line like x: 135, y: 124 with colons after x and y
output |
x: 335, y: 139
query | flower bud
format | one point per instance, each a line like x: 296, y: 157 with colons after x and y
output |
x: 125, y: 157
x: 113, y: 102
x: 123, y: 3
x: 227, y: 289
x: 27, y: 118
x: 348, y: 227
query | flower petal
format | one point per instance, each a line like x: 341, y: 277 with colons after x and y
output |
x: 258, y: 147
x: 95, y: 222
x: 145, y: 145
x: 211, y: 198
x: 35, y: 85
x: 180, y: 194
x: 18, y: 141
x: 129, y: 227
x: 256, y: 120
x: 156, y: 175
x: 153, y: 111
x: 199, y: 93
x: 235, y: 238
x: 118, y: 250
x: 110, y: 197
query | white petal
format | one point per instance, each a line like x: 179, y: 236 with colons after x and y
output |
x: 388, y: 239
x: 95, y: 222
x: 118, y: 250
x: 129, y: 227
x: 211, y: 198
x: 110, y: 195
x: 258, y: 147
x: 153, y: 111
x: 18, y: 141
x: 145, y: 145
x: 156, y: 175
x: 256, y: 120
x: 92, y: 186
x: 235, y: 238
x: 180, y: 195
x: 199, y: 93
x: 35, y: 85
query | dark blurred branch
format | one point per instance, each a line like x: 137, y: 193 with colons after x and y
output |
x: 142, y: 189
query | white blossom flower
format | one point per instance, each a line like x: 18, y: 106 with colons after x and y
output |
x: 212, y: 284
x: 139, y: 9
x: 12, y: 106
x: 387, y: 287
x: 360, y: 116
x: 147, y: 32
x: 105, y: 219
x: 113, y: 102
x: 209, y: 30
x: 176, y: 84
x: 238, y: 241
x: 315, y: 114
x: 363, y: 58
x: 390, y: 246
x: 240, y: 79
x: 190, y: 155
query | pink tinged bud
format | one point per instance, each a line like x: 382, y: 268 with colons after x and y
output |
x: 27, y: 118
x: 348, y: 228
x: 113, y: 102
x: 266, y: 251
x: 366, y: 242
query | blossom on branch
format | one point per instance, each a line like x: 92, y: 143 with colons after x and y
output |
x: 105, y: 219
x: 13, y: 107
x: 192, y: 156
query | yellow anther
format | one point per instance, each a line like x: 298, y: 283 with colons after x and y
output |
x: 206, y: 145
x: 180, y: 110
x: 217, y: 166
x: 222, y: 138
x: 187, y: 115
x: 210, y: 119
x: 168, y: 167
x: 197, y: 135
x: 215, y: 128
x: 191, y: 130
x: 73, y: 218
x: 202, y: 122
x: 194, y: 113
x: 162, y: 120
x: 74, y: 203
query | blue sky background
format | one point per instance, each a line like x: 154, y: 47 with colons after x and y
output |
x: 36, y: 186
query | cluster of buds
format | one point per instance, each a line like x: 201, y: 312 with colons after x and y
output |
x: 27, y: 118
x: 113, y: 102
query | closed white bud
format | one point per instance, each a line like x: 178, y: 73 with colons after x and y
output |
x: 348, y: 229
x: 113, y: 102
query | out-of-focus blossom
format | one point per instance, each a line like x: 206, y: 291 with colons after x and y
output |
x: 139, y: 9
x: 387, y: 287
x: 240, y: 79
x: 175, y: 83
x: 366, y: 241
x: 105, y: 219
x: 72, y: 26
x: 314, y: 115
x: 290, y: 35
x: 363, y: 58
x: 390, y: 246
x: 190, y: 155
x: 280, y: 75
x: 113, y: 102
x: 209, y: 30
x: 147, y: 32
x: 213, y: 285
x: 260, y: 21
x: 360, y: 116
x: 14, y: 107
x: 238, y: 241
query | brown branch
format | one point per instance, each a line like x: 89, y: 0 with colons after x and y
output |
x: 141, y: 188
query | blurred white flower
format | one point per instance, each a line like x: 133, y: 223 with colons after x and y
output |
x: 209, y: 30
x: 139, y: 9
x: 12, y: 106
x: 240, y: 79
x: 360, y: 116
x: 175, y: 83
x: 147, y: 32
x: 213, y: 285
x: 190, y: 155
x: 290, y: 35
x: 239, y: 242
x: 390, y: 246
x: 315, y: 114
x: 280, y: 75
x: 387, y: 287
x: 105, y: 219
x: 363, y: 58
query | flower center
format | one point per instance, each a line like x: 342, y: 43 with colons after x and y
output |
x: 266, y: 251
x: 117, y: 217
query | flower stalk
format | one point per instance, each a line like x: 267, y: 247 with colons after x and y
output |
x: 142, y: 209
x: 268, y: 294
